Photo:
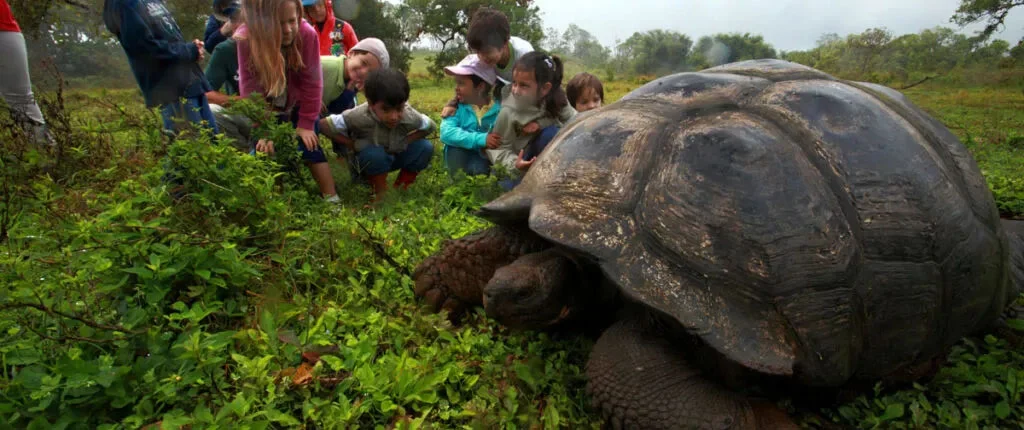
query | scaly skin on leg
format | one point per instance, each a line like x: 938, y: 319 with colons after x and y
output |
x: 641, y: 380
x: 454, y: 278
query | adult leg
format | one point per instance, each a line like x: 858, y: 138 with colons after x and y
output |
x: 235, y: 127
x: 16, y: 86
x: 412, y: 161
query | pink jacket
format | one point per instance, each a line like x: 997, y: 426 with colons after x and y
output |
x: 305, y: 86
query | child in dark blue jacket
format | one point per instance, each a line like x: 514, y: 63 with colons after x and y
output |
x: 165, y: 65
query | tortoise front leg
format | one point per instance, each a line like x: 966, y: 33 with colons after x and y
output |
x: 641, y: 380
x: 454, y: 278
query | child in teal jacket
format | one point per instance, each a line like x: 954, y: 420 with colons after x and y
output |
x: 464, y: 136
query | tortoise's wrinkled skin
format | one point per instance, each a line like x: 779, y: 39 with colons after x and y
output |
x: 794, y: 224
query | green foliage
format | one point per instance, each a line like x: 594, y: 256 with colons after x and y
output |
x: 252, y: 303
x: 248, y: 303
x: 655, y: 52
x: 875, y: 55
x: 982, y: 388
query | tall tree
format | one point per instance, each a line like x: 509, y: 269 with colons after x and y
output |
x: 991, y: 12
x: 392, y: 24
x: 584, y: 46
x: 447, y: 21
x: 728, y: 48
x: 656, y: 51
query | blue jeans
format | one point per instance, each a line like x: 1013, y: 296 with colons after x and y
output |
x: 533, y: 149
x: 375, y: 161
x: 469, y: 160
x: 194, y: 110
x: 537, y: 145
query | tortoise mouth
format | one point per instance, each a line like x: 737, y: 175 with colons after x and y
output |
x: 529, y: 319
x: 525, y: 303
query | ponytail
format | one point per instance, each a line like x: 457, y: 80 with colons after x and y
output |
x: 546, y: 69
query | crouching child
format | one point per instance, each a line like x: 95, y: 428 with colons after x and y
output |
x: 385, y: 133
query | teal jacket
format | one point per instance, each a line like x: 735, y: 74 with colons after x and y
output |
x: 462, y: 130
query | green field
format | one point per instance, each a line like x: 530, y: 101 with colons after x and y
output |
x: 252, y: 304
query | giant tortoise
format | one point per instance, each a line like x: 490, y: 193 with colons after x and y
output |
x: 761, y: 216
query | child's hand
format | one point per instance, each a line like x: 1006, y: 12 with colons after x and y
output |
x: 265, y: 146
x: 447, y: 112
x: 531, y: 128
x: 308, y: 138
x: 524, y: 165
x: 493, y: 140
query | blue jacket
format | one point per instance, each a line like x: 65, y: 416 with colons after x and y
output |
x: 213, y: 37
x: 463, y: 130
x: 163, y: 63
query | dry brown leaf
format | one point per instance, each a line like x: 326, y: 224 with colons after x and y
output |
x: 303, y: 375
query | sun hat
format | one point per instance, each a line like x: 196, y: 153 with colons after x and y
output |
x: 471, y: 65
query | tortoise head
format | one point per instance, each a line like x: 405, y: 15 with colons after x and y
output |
x: 533, y: 292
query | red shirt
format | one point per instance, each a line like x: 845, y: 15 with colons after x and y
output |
x: 349, y: 38
x: 7, y: 22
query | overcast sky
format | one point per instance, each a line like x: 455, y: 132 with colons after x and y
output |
x: 786, y: 24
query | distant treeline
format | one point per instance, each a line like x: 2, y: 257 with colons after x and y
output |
x: 71, y: 37
x: 874, y: 55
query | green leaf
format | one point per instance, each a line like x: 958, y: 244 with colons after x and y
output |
x: 1016, y: 324
x: 1002, y: 410
x: 892, y: 412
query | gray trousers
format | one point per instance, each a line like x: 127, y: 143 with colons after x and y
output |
x: 235, y: 127
x: 16, y: 86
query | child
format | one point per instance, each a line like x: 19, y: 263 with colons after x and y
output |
x: 385, y: 133
x: 337, y: 37
x: 585, y: 92
x: 222, y: 73
x: 222, y: 23
x: 165, y: 66
x: 345, y: 75
x: 534, y: 113
x: 15, y: 83
x: 278, y: 57
x: 490, y: 37
x: 463, y: 135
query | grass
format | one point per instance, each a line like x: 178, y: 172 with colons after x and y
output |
x: 252, y: 304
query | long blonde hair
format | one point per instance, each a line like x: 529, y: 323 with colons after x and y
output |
x: 266, y: 55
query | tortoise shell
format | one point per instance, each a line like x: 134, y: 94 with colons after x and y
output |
x: 800, y: 224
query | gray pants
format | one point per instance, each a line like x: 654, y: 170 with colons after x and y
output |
x: 235, y: 127
x: 16, y: 86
